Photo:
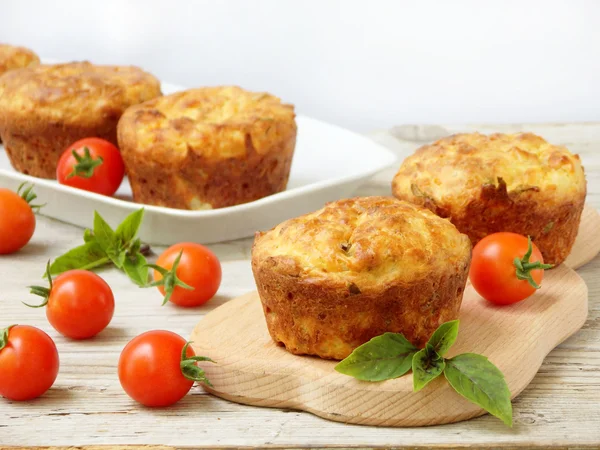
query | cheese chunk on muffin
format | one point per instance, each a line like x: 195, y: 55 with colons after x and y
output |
x: 45, y: 108
x: 208, y: 148
x: 12, y: 57
x: 333, y: 279
x: 502, y: 182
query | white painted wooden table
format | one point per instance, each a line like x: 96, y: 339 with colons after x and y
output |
x: 87, y: 407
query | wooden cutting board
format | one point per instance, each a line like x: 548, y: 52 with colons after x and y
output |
x: 252, y: 369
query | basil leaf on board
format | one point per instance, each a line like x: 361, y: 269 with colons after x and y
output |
x: 128, y: 229
x: 427, y: 365
x: 474, y: 377
x: 444, y: 337
x: 86, y: 257
x: 382, y: 358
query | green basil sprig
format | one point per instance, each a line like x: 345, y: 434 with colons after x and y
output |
x: 473, y: 376
x: 382, y: 358
x: 103, y: 245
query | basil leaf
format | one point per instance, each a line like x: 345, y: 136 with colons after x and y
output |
x: 444, y: 337
x: 134, y: 247
x: 128, y: 229
x: 478, y: 380
x: 427, y: 365
x: 103, y: 233
x: 119, y: 257
x: 382, y: 358
x: 135, y: 267
x: 86, y: 256
x: 88, y: 235
x: 106, y: 237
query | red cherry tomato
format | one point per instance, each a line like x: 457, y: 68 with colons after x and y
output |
x: 17, y: 222
x: 28, y: 362
x: 79, y: 303
x: 91, y: 164
x: 198, y: 268
x: 153, y: 371
x: 494, y: 273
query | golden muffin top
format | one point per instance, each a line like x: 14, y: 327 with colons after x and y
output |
x: 12, y: 57
x: 78, y: 92
x: 213, y: 122
x: 453, y: 170
x: 368, y: 241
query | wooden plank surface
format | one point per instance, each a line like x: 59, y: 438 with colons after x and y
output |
x: 88, y: 407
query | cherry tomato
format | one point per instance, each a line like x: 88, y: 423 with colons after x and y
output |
x: 495, y: 274
x: 17, y: 221
x: 91, y: 164
x: 158, y: 368
x: 28, y: 362
x: 79, y: 303
x: 196, y: 278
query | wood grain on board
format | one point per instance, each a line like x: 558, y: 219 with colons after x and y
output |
x: 587, y: 242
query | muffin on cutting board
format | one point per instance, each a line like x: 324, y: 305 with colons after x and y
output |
x: 45, y: 108
x: 501, y: 182
x: 333, y: 279
x: 208, y: 148
x: 12, y: 57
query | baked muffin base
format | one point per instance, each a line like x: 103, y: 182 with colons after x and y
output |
x: 552, y: 226
x: 330, y: 321
x: 36, y: 152
x: 218, y: 184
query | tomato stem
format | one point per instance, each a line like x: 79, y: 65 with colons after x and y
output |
x: 524, y: 266
x: 4, y: 336
x: 169, y: 278
x: 85, y: 164
x: 190, y: 369
x: 43, y: 292
x: 25, y: 191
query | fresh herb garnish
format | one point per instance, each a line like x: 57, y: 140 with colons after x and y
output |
x: 103, y: 245
x: 427, y: 365
x: 382, y: 358
x: 473, y: 376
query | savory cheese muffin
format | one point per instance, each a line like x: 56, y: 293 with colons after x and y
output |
x: 502, y: 182
x: 45, y: 108
x: 208, y: 148
x: 12, y: 57
x: 331, y: 280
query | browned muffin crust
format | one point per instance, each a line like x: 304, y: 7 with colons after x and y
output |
x: 208, y: 148
x: 12, y: 57
x: 44, y: 109
x: 487, y: 184
x: 331, y: 280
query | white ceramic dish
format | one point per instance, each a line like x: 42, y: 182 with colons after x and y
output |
x: 329, y: 163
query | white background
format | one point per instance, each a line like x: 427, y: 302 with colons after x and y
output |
x: 360, y: 64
